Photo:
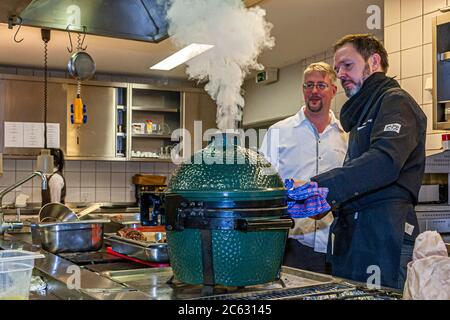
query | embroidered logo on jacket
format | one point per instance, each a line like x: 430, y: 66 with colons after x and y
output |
x: 393, y: 127
x: 364, y: 125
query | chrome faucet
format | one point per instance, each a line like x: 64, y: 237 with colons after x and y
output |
x: 17, y: 224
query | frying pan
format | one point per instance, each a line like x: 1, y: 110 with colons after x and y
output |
x: 81, y: 66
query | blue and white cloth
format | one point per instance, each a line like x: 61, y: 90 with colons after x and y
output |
x: 306, y: 200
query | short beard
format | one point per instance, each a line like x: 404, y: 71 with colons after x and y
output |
x: 315, y: 110
x: 366, y: 73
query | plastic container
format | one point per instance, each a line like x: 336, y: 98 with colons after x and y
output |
x: 16, y: 268
x: 446, y: 141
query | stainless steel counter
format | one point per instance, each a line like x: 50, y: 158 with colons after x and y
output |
x: 157, y: 284
x: 60, y: 275
x: 106, y: 208
x: 147, y: 283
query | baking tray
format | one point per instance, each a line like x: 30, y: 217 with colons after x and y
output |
x: 145, y: 251
x: 137, y: 261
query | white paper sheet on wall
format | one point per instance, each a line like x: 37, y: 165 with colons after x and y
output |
x: 31, y: 135
x: 13, y: 134
x: 53, y: 135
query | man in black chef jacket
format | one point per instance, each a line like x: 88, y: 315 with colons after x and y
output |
x: 374, y: 193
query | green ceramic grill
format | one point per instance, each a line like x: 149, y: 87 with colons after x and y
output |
x: 225, y: 216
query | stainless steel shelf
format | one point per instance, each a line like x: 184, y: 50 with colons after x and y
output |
x: 153, y: 136
x: 155, y: 109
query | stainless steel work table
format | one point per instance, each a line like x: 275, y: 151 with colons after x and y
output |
x: 152, y: 283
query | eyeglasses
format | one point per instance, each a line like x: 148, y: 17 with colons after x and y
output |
x: 311, y: 85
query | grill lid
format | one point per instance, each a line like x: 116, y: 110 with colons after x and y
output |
x: 225, y: 170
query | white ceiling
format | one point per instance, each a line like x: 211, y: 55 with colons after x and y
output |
x: 301, y: 28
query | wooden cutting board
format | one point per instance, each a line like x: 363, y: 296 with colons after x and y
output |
x: 149, y: 180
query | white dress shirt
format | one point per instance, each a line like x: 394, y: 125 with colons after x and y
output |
x: 55, y: 184
x: 295, y: 148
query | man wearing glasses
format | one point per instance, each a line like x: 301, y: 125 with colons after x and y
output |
x: 304, y: 145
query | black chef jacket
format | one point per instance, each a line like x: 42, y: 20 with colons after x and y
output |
x: 374, y: 193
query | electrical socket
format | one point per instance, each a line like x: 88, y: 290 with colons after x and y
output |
x: 84, y: 196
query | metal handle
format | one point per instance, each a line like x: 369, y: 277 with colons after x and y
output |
x: 264, y: 224
x: 13, y: 225
x: 146, y: 201
x: 444, y: 56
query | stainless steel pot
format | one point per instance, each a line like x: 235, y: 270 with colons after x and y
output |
x: 73, y: 236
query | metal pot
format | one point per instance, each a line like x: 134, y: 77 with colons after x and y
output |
x: 226, y: 222
x: 73, y: 236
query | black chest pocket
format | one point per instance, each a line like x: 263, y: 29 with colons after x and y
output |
x: 359, y: 140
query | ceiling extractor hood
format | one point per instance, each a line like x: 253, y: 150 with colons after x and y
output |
x: 142, y: 20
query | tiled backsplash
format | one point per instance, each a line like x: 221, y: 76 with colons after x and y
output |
x: 87, y: 181
x: 408, y: 39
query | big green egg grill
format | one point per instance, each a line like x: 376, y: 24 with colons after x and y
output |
x: 225, y: 217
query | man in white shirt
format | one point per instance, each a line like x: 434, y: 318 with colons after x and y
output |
x: 302, y: 146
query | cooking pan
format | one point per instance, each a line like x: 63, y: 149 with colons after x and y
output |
x: 81, y: 66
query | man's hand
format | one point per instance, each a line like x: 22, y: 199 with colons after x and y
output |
x: 298, y: 183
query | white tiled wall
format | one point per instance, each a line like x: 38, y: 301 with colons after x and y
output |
x: 408, y: 38
x: 87, y: 181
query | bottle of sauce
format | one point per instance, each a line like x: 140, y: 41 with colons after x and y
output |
x: 149, y: 126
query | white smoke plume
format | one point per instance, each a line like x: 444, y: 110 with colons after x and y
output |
x: 239, y: 35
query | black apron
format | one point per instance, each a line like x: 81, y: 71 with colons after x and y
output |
x: 358, y: 242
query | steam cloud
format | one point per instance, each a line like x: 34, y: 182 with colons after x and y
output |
x: 238, y: 34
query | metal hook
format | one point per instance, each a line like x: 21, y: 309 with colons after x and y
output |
x: 70, y: 39
x: 12, y: 23
x: 84, y: 37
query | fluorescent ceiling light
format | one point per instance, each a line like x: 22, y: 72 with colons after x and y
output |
x: 185, y: 54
